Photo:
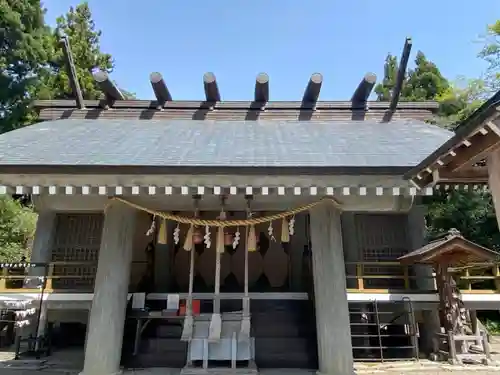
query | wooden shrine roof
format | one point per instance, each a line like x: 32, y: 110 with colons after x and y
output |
x: 308, y: 106
x: 361, y: 147
x: 462, y: 158
x: 452, y: 248
x: 357, y: 136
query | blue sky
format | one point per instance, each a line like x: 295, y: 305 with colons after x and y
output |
x: 288, y: 39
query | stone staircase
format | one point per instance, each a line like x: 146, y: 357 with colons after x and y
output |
x: 285, y: 334
x: 284, y: 331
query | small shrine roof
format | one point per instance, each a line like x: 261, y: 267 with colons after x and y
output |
x: 396, y: 145
x: 452, y: 248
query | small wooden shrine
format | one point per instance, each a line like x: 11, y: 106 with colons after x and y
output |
x: 445, y: 254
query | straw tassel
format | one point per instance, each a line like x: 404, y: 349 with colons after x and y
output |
x: 244, y: 334
x: 220, y: 240
x: 215, y: 328
x: 285, y: 231
x: 187, y: 328
x: 162, y: 237
x: 252, y: 239
x: 188, y: 243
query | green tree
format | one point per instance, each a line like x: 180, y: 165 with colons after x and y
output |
x: 384, y: 89
x: 424, y: 82
x: 22, y: 55
x: 491, y: 54
x: 459, y: 100
x: 17, y: 227
x: 78, y: 25
x: 471, y: 212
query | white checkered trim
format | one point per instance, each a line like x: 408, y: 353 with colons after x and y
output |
x: 216, y: 190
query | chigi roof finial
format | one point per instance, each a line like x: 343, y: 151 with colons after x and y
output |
x: 454, y: 232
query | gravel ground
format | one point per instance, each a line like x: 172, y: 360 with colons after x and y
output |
x: 73, y: 359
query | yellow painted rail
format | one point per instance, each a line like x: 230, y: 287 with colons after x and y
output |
x: 361, y: 277
x: 383, y: 277
x: 33, y: 277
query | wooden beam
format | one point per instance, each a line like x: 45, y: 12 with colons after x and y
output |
x: 262, y: 88
x: 212, y: 93
x: 108, y: 87
x: 480, y: 146
x: 313, y: 88
x: 403, y: 64
x: 364, y: 89
x: 195, y: 104
x: 160, y: 88
x: 71, y: 70
x: 470, y: 175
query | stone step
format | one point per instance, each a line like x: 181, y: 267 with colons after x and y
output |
x: 219, y: 371
x: 163, y: 345
x: 168, y: 331
x: 285, y: 353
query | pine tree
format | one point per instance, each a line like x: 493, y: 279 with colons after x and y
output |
x: 491, y: 54
x: 384, y: 89
x: 22, y: 54
x: 424, y: 82
x: 78, y: 25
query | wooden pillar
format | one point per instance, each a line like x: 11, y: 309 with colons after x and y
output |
x: 163, y: 261
x: 332, y: 309
x: 425, y: 282
x: 43, y: 239
x: 494, y: 180
x: 41, y: 253
x: 107, y: 315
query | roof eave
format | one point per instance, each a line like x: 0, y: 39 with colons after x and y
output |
x: 201, y: 169
x: 482, y: 117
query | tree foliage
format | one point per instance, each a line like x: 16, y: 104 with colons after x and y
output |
x: 423, y: 82
x: 84, y: 38
x: 491, y: 54
x: 471, y: 212
x: 17, y: 227
x: 22, y: 54
x: 32, y: 65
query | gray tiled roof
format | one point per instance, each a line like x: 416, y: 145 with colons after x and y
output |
x: 399, y: 143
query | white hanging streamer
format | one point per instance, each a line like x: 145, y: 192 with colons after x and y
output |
x: 177, y: 232
x: 206, y: 238
x: 236, y: 239
x: 25, y: 313
x: 17, y: 304
x: 291, y: 226
x: 152, y: 228
x: 270, y: 232
x: 21, y: 323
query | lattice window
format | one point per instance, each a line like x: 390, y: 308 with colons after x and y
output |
x: 382, y: 238
x: 77, y: 239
